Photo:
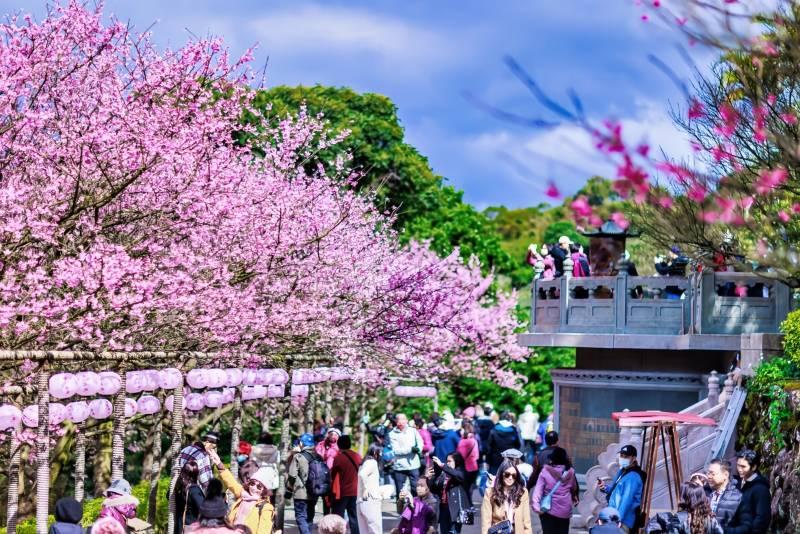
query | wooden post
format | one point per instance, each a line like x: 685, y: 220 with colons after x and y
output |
x: 118, y: 434
x: 175, y: 450
x: 13, y: 480
x: 80, y: 460
x: 43, y: 450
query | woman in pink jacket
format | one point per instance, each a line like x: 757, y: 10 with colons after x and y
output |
x: 468, y: 448
x: 558, y: 480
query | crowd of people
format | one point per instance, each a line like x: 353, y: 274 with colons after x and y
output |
x: 433, y: 469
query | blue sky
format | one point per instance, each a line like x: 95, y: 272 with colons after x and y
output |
x: 425, y: 54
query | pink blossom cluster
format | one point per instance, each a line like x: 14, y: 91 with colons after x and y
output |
x: 130, y: 218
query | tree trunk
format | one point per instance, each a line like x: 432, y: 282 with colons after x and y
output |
x: 266, y: 414
x: 280, y: 502
x: 13, y: 481
x: 149, y: 453
x: 80, y: 461
x: 118, y: 435
x: 43, y: 451
x: 101, y: 472
x: 175, y: 450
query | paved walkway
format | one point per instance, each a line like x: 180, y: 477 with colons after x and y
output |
x: 391, y: 519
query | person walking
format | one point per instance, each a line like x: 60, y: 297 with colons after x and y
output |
x: 344, y: 482
x: 469, y: 450
x: 503, y: 437
x: 528, y: 426
x: 554, y: 494
x: 506, y: 502
x: 447, y: 483
x: 483, y: 427
x: 722, y: 493
x: 445, y: 439
x: 368, y: 505
x: 188, y: 497
x: 754, y: 513
x: 625, y: 493
x: 427, y: 440
x: 305, y: 502
x: 68, y: 514
x: 199, y: 452
x: 407, y: 446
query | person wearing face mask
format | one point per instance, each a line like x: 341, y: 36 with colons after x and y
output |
x: 625, y: 492
x: 447, y: 482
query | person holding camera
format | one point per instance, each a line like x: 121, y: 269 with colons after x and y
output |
x: 447, y: 482
x: 506, y: 508
x: 420, y: 514
x: 406, y: 444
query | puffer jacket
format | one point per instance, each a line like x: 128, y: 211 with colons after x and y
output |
x: 561, y: 505
x: 727, y: 504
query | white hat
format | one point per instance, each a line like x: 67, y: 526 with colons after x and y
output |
x: 564, y: 240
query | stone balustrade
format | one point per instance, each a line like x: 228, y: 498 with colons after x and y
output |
x: 705, y: 303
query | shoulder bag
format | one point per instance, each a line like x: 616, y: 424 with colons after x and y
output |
x: 547, y: 500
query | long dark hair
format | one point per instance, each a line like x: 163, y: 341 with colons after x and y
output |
x: 694, y: 501
x: 458, y: 460
x: 501, y: 493
x: 374, y: 451
x: 188, y: 476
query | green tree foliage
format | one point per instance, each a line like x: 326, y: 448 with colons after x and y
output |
x: 563, y: 228
x: 400, y: 177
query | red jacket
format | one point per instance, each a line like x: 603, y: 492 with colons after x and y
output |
x: 344, y: 474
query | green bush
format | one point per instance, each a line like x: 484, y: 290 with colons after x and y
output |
x: 791, y: 340
x: 91, y: 509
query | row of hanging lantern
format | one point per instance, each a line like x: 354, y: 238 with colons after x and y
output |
x: 257, y: 384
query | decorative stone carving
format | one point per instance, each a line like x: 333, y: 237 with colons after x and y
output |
x: 713, y: 388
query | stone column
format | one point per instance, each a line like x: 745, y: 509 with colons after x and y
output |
x: 727, y: 390
x: 118, y: 434
x: 175, y: 450
x: 713, y: 389
x: 43, y: 450
x: 13, y: 480
x: 80, y: 460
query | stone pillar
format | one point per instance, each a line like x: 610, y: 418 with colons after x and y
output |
x: 80, y: 460
x: 713, y: 389
x: 118, y: 434
x: 568, y: 264
x: 236, y: 430
x: 175, y: 450
x: 727, y: 391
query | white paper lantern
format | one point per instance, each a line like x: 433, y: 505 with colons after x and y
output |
x: 148, y: 405
x: 30, y: 416
x: 63, y: 385
x: 198, y: 378
x: 152, y: 379
x: 88, y: 383
x: 78, y: 411
x: 169, y: 378
x: 100, y: 409
x: 233, y: 377
x: 130, y: 407
x: 212, y: 398
x: 110, y: 383
x: 194, y: 402
x: 10, y: 417
x: 57, y: 413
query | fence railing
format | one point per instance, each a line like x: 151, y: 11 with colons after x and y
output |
x: 704, y: 303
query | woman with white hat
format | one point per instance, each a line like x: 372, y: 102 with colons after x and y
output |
x: 251, y: 508
x: 119, y: 504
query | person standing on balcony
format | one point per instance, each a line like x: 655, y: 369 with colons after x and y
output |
x: 673, y: 265
x: 722, y: 493
x: 625, y: 493
x: 754, y: 512
x: 560, y: 253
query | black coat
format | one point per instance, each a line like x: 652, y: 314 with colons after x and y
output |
x: 559, y: 255
x: 187, y: 505
x: 456, y: 494
x: 501, y: 439
x: 754, y: 512
x: 728, y: 503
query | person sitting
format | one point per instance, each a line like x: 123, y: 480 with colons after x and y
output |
x: 251, y: 507
x: 607, y: 522
x: 119, y: 504
x: 69, y: 513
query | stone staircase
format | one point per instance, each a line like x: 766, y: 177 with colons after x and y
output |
x: 696, y: 444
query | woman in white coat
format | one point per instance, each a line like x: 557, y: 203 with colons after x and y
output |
x: 370, y: 519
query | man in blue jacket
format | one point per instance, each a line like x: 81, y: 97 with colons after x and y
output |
x: 625, y: 492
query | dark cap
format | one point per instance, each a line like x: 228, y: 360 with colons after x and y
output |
x: 628, y: 450
x: 213, y: 508
x: 675, y: 249
x: 68, y: 510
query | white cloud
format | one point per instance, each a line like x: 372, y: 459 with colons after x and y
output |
x: 325, y: 31
x: 566, y: 154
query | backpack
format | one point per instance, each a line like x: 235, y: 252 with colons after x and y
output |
x: 318, y: 482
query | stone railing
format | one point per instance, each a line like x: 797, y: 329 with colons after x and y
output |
x: 696, y: 442
x: 705, y: 303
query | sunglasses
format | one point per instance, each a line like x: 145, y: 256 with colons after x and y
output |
x: 509, y: 475
x: 255, y: 483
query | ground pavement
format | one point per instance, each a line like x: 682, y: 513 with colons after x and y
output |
x: 391, y: 518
